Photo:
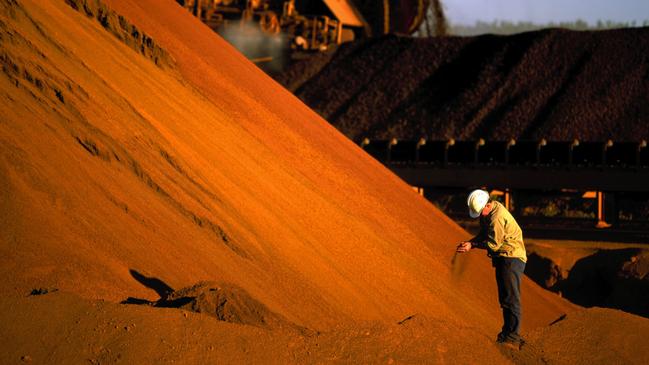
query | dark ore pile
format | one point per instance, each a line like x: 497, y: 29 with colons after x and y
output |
x: 554, y: 84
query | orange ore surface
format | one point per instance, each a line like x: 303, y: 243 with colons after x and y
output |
x: 162, y: 200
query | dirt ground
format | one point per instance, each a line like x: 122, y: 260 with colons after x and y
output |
x: 149, y: 172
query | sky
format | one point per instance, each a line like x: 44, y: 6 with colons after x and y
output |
x: 544, y: 11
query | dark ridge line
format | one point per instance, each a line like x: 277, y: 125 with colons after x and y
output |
x: 123, y: 30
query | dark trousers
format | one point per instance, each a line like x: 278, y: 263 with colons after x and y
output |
x: 509, y: 274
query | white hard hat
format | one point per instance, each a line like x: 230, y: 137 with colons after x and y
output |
x: 476, y: 202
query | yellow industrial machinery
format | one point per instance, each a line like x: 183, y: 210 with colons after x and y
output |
x: 312, y: 32
x: 312, y: 25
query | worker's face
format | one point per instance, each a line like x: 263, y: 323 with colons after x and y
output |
x: 486, y: 210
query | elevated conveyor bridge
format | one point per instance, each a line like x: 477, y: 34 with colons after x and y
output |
x: 603, y: 171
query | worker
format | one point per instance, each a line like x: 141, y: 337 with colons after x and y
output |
x: 501, y: 236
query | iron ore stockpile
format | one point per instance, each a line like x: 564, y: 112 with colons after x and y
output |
x: 164, y: 201
x: 553, y: 84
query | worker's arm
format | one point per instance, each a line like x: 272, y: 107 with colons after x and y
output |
x: 479, y: 241
x: 495, y: 234
x: 492, y: 238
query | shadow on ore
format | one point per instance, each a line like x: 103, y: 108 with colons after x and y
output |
x: 225, y: 302
x: 609, y: 278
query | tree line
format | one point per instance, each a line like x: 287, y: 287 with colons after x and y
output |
x: 508, y: 27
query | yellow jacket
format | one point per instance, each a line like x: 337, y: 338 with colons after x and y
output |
x: 500, y: 234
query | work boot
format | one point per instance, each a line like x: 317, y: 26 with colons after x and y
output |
x: 515, y: 343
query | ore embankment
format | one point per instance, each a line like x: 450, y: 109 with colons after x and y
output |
x: 610, y: 278
x: 553, y: 84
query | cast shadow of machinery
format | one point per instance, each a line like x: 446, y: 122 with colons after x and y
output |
x: 613, y: 278
x: 610, y: 278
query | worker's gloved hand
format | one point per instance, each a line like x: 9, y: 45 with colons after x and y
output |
x: 464, y: 247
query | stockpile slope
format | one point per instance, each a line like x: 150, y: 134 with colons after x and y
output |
x: 553, y: 84
x: 142, y: 155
